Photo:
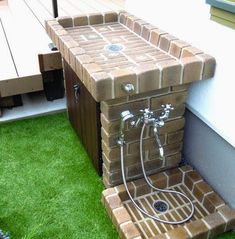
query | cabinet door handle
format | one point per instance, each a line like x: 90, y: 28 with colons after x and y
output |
x: 76, y: 89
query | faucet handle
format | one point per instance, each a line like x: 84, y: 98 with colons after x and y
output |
x: 167, y: 107
x: 147, y: 112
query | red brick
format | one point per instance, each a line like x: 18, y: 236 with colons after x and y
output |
x: 95, y: 18
x: 155, y: 36
x: 101, y: 86
x: 176, y: 47
x: 146, y: 29
x: 129, y: 231
x: 229, y: 216
x: 192, y: 69
x: 130, y: 20
x: 171, y: 73
x: 215, y: 224
x: 209, y: 65
x: 110, y: 17
x: 138, y: 25
x: 165, y: 41
x: 190, y: 51
x: 65, y: 21
x: 198, y: 229
x: 80, y: 20
x: 148, y: 77
x: 120, y: 215
x: 178, y: 233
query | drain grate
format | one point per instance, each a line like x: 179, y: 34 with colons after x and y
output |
x: 160, y: 206
x: 115, y: 48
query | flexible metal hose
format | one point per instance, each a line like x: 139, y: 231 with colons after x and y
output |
x: 153, y: 187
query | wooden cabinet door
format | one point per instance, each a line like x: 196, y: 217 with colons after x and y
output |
x: 73, y: 96
x: 84, y: 115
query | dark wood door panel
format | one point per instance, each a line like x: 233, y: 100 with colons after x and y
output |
x: 73, y: 102
x: 84, y: 115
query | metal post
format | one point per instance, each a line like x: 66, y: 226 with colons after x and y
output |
x: 55, y: 8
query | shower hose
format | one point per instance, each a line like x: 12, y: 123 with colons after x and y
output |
x: 153, y: 187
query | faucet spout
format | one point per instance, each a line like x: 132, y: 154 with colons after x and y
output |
x: 157, y: 138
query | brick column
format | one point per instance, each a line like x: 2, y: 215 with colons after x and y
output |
x: 171, y: 134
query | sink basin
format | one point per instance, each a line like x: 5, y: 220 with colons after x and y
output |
x: 212, y: 216
x: 118, y: 54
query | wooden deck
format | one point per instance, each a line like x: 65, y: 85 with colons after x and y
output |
x: 23, y: 37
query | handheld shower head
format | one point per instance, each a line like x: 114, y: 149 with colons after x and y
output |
x: 125, y: 116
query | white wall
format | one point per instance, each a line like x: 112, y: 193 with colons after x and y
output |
x: 212, y: 156
x: 211, y: 100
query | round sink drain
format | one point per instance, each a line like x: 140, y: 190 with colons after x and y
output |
x: 114, y: 47
x: 160, y: 206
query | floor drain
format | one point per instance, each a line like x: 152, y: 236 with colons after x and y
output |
x: 114, y: 47
x: 160, y: 206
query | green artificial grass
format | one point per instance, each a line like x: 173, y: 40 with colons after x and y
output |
x: 48, y: 187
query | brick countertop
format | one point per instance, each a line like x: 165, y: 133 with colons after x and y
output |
x: 149, y: 58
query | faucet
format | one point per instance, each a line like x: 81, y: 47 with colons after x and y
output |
x: 125, y: 116
x: 148, y: 118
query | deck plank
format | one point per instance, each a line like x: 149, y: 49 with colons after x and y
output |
x: 39, y: 11
x: 26, y: 37
x: 120, y: 3
x: 21, y: 85
x: 95, y: 4
x: 47, y: 4
x: 7, y: 68
x: 109, y: 4
x: 70, y: 7
x: 84, y: 7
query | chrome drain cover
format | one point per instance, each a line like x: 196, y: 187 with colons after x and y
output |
x: 115, y: 48
x: 161, y: 206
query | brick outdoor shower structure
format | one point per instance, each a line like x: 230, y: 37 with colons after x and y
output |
x: 160, y: 68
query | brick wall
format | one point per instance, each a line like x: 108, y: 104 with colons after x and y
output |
x: 171, y: 134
